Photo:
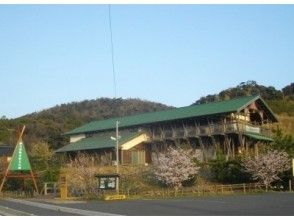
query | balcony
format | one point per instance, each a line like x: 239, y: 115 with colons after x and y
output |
x: 209, y: 130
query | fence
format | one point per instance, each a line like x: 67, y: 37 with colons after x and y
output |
x: 199, y: 191
x: 50, y: 188
x: 203, y: 190
x: 17, y: 194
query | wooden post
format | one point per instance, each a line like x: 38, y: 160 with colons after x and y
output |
x: 54, y: 188
x: 239, y: 132
x: 244, y: 188
x: 197, y: 132
x: 290, y: 185
x: 34, y: 181
x: 228, y: 148
x: 233, y: 147
x: 212, y: 137
x: 45, y: 189
x: 4, y: 179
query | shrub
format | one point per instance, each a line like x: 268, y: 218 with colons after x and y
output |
x: 227, y: 171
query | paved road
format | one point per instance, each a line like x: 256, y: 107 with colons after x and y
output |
x: 258, y: 204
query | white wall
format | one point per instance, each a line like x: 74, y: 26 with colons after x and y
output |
x: 75, y: 138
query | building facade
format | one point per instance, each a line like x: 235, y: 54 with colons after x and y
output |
x: 234, y: 126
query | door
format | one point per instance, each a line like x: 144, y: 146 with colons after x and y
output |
x: 138, y: 157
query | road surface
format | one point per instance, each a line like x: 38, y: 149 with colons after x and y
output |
x: 248, y: 205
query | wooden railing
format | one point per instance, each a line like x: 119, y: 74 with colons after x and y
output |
x: 50, y: 188
x: 208, y: 130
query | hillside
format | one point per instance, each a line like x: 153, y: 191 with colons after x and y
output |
x: 48, y: 125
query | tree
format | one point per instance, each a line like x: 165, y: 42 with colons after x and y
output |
x: 288, y: 90
x: 244, y: 89
x: 81, y: 173
x: 175, y: 166
x: 283, y: 142
x: 267, y: 167
x: 45, y: 162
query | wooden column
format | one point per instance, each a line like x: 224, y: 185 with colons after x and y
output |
x: 212, y: 137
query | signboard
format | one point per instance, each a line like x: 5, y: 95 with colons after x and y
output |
x: 107, y: 182
x: 19, y: 160
x: 252, y: 129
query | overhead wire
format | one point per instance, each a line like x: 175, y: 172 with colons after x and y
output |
x: 112, y: 52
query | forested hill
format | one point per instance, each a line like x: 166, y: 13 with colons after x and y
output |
x: 281, y: 101
x: 49, y: 125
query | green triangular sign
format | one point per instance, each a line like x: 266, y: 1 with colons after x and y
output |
x: 19, y: 160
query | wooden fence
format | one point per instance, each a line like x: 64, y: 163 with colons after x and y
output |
x: 198, y: 191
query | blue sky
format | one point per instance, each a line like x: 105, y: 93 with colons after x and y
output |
x: 173, y: 54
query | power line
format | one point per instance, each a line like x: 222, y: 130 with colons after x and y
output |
x: 112, y: 50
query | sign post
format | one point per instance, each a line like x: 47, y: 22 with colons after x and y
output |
x: 63, y: 186
x: 19, y: 164
x: 292, y: 179
x: 293, y: 167
x: 108, y: 182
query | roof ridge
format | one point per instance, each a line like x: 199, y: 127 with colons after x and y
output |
x: 230, y: 105
x: 175, y: 108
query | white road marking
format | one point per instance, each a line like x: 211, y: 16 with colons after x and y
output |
x: 61, y: 208
x: 12, y: 212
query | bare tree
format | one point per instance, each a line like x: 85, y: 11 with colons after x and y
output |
x: 81, y: 174
x: 266, y: 167
x: 175, y: 166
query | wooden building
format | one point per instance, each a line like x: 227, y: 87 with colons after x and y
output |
x: 5, y: 156
x: 234, y: 126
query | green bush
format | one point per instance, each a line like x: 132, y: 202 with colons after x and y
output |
x: 230, y: 172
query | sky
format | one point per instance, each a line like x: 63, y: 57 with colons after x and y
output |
x: 172, y: 54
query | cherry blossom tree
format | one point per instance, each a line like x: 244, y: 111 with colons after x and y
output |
x: 175, y: 166
x: 266, y: 167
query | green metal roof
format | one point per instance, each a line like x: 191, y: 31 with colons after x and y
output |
x: 100, y: 141
x: 258, y: 137
x: 233, y: 105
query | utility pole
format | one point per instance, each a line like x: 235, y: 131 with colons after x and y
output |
x: 117, y: 147
x: 117, y: 156
x: 116, y: 139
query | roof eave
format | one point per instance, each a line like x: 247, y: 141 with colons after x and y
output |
x: 266, y: 105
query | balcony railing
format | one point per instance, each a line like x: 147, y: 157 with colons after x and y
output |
x: 208, y: 130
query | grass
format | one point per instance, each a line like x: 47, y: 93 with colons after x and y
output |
x: 286, y: 123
